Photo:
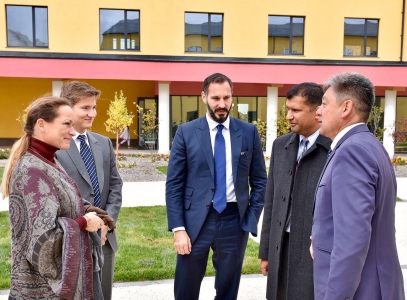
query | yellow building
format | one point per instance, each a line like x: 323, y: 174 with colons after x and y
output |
x: 160, y: 51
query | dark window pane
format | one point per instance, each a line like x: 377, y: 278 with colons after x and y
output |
x: 354, y: 37
x: 41, y: 27
x: 112, y: 29
x: 196, y: 32
x: 19, y: 26
x: 216, y: 28
x: 285, y: 35
x: 133, y: 30
x: 297, y: 46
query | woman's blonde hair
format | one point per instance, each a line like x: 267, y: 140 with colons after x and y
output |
x: 45, y: 108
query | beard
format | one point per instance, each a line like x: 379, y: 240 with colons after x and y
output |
x: 215, y: 117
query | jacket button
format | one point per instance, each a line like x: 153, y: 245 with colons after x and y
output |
x: 283, y: 198
x: 208, y: 206
x: 291, y: 172
x: 279, y: 223
x: 277, y: 247
x: 212, y: 189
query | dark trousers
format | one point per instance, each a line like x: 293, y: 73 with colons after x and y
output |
x: 108, y: 271
x: 283, y: 273
x: 223, y: 233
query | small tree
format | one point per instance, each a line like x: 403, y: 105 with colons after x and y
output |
x: 22, y: 117
x: 283, y: 126
x: 149, y: 123
x: 118, y: 117
x: 262, y: 129
x: 374, y: 120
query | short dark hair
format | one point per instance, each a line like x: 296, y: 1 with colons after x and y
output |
x: 75, y: 90
x: 215, y: 78
x: 311, y: 91
x: 355, y: 87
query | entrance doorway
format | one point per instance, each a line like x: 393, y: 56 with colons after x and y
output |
x: 148, y: 124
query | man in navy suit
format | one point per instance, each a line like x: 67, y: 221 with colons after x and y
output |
x: 353, y: 235
x: 214, y: 160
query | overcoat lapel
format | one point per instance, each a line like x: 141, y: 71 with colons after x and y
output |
x: 204, y: 138
x: 292, y: 149
x: 236, y: 145
x: 76, y: 158
x: 98, y: 157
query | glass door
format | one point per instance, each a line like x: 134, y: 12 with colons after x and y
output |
x: 148, y: 123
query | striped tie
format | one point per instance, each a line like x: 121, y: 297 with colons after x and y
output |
x: 87, y: 157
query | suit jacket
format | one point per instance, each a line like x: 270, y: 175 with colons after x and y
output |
x: 190, y: 178
x: 110, y: 183
x: 353, y: 235
x: 284, y: 183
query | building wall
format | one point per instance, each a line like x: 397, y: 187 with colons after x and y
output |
x: 74, y: 26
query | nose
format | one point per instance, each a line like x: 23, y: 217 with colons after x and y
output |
x: 289, y: 116
x: 92, y: 113
x: 72, y: 131
x: 221, y: 103
x: 319, y: 110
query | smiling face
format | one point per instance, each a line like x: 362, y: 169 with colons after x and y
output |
x: 84, y: 113
x: 218, y: 101
x: 57, y: 133
x: 302, y: 117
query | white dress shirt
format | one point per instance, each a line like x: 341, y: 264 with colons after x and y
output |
x: 230, y: 188
x: 78, y: 141
x: 342, y: 133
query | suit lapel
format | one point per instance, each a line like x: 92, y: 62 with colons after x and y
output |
x: 236, y: 146
x: 98, y: 157
x: 76, y: 158
x: 204, y: 138
x: 292, y: 149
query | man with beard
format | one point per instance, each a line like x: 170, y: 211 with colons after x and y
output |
x: 214, y: 160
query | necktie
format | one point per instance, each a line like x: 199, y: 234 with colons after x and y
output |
x: 329, y: 154
x: 87, y: 158
x: 219, y: 198
x: 303, y: 147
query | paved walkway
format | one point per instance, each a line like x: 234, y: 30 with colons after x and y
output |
x: 252, y: 287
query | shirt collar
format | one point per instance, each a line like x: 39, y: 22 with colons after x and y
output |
x: 212, y: 124
x: 78, y: 134
x: 311, y: 139
x: 342, y: 133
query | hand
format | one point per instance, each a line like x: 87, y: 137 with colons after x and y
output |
x: 311, y: 250
x: 104, y: 233
x: 182, y: 243
x: 93, y: 222
x: 264, y: 267
x: 108, y: 220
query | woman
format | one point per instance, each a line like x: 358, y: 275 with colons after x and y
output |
x: 125, y: 136
x: 51, y: 253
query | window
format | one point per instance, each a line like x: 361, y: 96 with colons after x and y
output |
x: 27, y: 26
x: 203, y: 32
x: 286, y: 35
x: 361, y: 36
x: 119, y: 29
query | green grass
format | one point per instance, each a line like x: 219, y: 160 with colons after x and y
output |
x: 163, y: 169
x: 145, y: 252
x: 1, y: 173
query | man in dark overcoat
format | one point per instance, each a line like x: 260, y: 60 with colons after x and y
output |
x: 297, y: 160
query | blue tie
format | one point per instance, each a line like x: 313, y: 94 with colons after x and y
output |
x: 87, y: 157
x: 219, y: 198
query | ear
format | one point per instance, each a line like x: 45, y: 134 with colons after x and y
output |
x: 347, y: 108
x: 41, y: 124
x: 203, y: 97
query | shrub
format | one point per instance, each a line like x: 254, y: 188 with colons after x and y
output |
x: 4, y: 153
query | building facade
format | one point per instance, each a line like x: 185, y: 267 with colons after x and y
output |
x: 158, y: 53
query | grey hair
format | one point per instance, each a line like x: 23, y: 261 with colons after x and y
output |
x: 355, y: 87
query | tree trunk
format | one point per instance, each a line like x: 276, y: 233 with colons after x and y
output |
x: 117, y: 147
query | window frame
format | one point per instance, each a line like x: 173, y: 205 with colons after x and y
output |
x: 33, y: 7
x: 209, y: 32
x: 291, y: 35
x: 364, y: 37
x: 125, y: 11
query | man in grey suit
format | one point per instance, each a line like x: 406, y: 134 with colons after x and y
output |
x: 103, y: 189
x: 297, y: 160
x: 353, y: 234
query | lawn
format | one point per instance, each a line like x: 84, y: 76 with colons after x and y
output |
x: 145, y: 247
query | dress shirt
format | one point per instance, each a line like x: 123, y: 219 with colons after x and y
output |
x: 342, y: 133
x: 230, y: 188
x: 78, y: 141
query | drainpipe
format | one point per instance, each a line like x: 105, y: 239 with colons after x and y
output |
x: 402, y: 31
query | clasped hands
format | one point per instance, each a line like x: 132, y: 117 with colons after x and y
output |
x: 98, y: 218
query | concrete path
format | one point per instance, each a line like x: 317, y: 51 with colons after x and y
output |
x: 252, y: 287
